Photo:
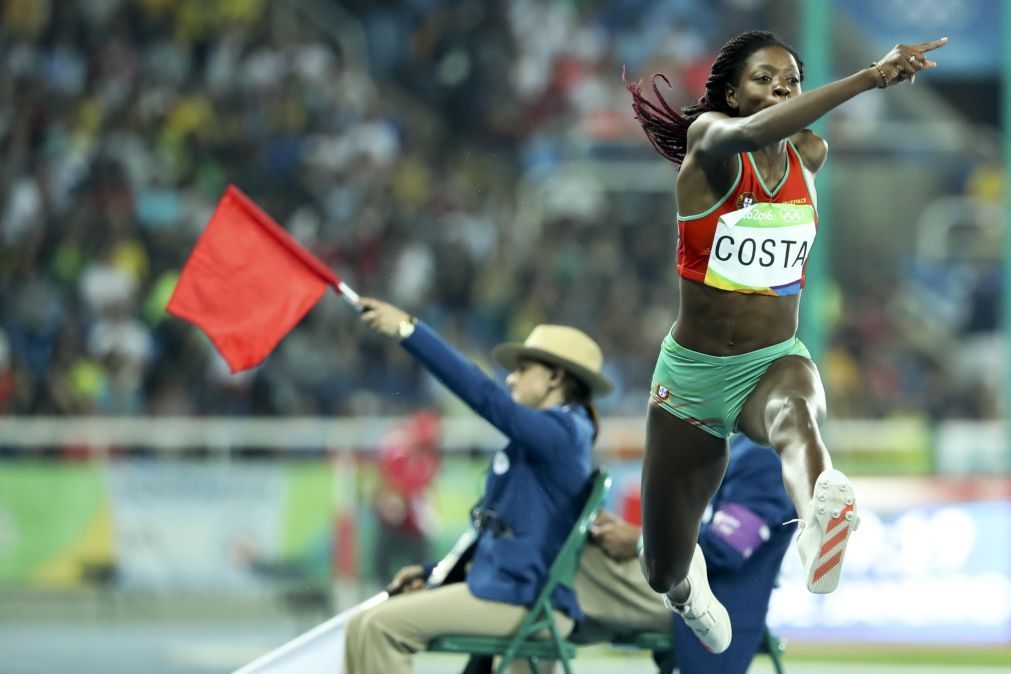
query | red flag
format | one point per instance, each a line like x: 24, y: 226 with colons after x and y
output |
x: 247, y: 282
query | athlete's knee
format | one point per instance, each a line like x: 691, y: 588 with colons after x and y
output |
x: 791, y: 414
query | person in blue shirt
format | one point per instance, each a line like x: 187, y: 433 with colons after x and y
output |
x: 534, y: 491
x: 744, y: 537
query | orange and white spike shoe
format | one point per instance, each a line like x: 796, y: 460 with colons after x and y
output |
x: 825, y: 533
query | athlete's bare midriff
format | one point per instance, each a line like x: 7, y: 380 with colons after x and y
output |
x: 725, y: 323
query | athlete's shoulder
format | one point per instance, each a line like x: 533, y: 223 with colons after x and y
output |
x: 813, y: 149
x: 703, y: 123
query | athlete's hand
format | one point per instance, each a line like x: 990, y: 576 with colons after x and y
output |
x: 617, y: 538
x: 408, y: 579
x: 905, y: 60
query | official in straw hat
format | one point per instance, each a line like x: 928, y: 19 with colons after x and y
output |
x: 562, y: 347
x: 533, y: 492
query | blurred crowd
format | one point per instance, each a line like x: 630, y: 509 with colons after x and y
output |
x: 418, y: 147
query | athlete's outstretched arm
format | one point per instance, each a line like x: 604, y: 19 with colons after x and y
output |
x: 715, y: 134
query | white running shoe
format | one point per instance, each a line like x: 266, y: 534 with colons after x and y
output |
x: 703, y: 612
x: 823, y: 536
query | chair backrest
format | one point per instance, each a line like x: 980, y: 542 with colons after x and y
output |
x: 524, y: 642
x: 563, y: 569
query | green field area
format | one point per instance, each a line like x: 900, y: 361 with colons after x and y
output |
x: 901, y: 654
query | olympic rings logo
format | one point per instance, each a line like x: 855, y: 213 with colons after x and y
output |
x: 794, y: 215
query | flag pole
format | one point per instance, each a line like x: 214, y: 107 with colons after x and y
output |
x: 266, y: 662
x: 349, y: 295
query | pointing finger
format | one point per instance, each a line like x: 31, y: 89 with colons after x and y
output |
x: 927, y: 46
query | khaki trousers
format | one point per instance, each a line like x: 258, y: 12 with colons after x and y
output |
x: 383, y: 639
x: 616, y: 599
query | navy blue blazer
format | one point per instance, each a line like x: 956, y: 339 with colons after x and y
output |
x: 535, y: 484
x: 744, y: 542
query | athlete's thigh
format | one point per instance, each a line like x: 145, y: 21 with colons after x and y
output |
x: 680, y: 463
x: 788, y: 377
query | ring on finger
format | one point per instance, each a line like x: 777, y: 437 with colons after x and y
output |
x: 912, y: 59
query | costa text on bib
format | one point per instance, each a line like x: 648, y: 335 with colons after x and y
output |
x: 762, y: 249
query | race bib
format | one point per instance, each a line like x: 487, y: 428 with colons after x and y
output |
x: 762, y: 249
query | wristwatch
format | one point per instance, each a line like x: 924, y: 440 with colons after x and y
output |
x: 406, y: 327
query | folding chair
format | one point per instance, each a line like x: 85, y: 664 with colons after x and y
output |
x: 525, y: 642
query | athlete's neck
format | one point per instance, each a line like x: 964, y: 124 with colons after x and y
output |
x: 771, y: 155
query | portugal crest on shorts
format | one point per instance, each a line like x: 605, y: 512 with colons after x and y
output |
x: 746, y: 200
x: 662, y: 393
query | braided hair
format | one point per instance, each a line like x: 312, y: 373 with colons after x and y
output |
x: 666, y: 129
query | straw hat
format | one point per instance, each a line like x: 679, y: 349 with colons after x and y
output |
x: 563, y: 346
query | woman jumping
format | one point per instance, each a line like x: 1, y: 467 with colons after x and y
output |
x: 732, y: 362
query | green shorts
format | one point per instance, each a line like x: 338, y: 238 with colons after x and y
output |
x: 709, y: 391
